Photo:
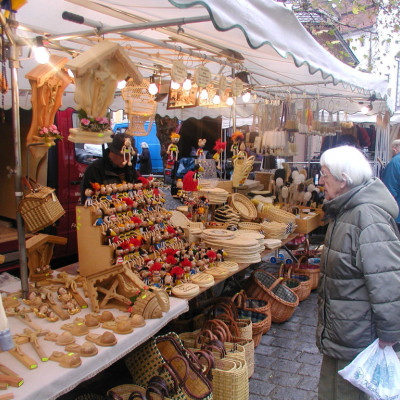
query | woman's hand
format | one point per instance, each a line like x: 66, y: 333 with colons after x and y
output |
x: 383, y: 344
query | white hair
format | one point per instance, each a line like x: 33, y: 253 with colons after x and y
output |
x: 396, y: 143
x: 346, y: 163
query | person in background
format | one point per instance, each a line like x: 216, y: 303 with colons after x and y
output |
x: 110, y: 168
x: 145, y: 160
x: 391, y: 175
x: 358, y: 292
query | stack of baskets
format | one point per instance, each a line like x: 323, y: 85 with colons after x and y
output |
x: 265, y: 286
x: 282, y: 216
x: 274, y: 230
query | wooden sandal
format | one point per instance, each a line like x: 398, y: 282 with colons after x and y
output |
x: 106, y: 339
x: 79, y: 329
x: 87, y: 349
x: 121, y: 327
x: 66, y: 360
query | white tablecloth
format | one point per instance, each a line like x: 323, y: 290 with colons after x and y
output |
x: 49, y: 380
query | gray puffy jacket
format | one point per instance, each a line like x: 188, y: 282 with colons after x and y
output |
x: 359, y: 288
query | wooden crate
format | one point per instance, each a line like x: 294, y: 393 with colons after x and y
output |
x: 306, y: 223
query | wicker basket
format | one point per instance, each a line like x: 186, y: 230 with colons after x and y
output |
x: 240, y: 349
x: 278, y: 215
x: 251, y: 226
x: 243, y: 206
x: 40, y: 208
x: 310, y: 270
x: 124, y: 391
x: 261, y: 306
x: 265, y: 286
x: 306, y: 251
x: 305, y: 284
x: 274, y: 230
x: 230, y: 380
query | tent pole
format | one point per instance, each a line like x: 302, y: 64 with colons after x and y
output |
x: 14, y: 64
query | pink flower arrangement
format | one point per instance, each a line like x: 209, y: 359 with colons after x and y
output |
x: 98, y: 124
x: 49, y: 133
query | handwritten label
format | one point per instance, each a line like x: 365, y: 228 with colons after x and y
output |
x: 178, y: 72
x: 202, y: 76
x: 223, y: 84
x: 237, y: 87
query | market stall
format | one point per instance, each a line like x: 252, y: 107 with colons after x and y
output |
x: 229, y: 53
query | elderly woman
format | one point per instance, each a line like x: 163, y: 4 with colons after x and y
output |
x: 358, y: 294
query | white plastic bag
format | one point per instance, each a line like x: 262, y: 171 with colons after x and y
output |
x: 376, y: 372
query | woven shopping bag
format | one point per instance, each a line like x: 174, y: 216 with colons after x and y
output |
x: 230, y: 373
x: 237, y: 348
x: 166, y: 352
x: 40, y: 207
x: 225, y: 310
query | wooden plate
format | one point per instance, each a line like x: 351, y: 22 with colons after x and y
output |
x: 218, y: 272
x: 229, y: 265
x: 185, y: 290
x: 202, y: 279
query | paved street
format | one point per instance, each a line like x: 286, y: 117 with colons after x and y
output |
x: 287, y: 361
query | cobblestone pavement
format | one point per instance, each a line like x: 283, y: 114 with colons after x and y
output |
x: 287, y: 361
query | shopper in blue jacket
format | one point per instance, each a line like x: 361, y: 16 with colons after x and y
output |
x: 391, y: 175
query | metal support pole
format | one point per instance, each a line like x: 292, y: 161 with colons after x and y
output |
x: 14, y: 64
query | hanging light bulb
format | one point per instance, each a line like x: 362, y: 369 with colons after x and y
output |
x: 40, y: 53
x: 229, y: 100
x: 175, y: 85
x: 121, y: 84
x: 246, y: 97
x: 187, y: 85
x: 153, y: 89
x: 204, y: 94
x: 216, y: 99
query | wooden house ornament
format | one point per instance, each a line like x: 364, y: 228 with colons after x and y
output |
x: 97, y: 72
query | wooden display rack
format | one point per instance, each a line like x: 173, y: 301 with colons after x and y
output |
x: 94, y: 257
x: 108, y: 285
x: 39, y: 249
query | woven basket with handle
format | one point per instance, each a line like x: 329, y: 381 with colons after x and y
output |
x: 40, y: 208
x: 304, y: 289
x: 311, y: 270
x: 265, y: 286
x: 258, y: 305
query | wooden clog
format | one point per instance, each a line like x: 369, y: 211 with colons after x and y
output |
x: 66, y: 360
x: 137, y: 320
x: 77, y: 329
x: 106, y: 339
x: 121, y: 327
x: 87, y: 349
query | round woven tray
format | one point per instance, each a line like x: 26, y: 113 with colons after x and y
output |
x: 243, y: 206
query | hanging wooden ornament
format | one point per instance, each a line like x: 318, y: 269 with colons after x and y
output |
x: 139, y: 106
